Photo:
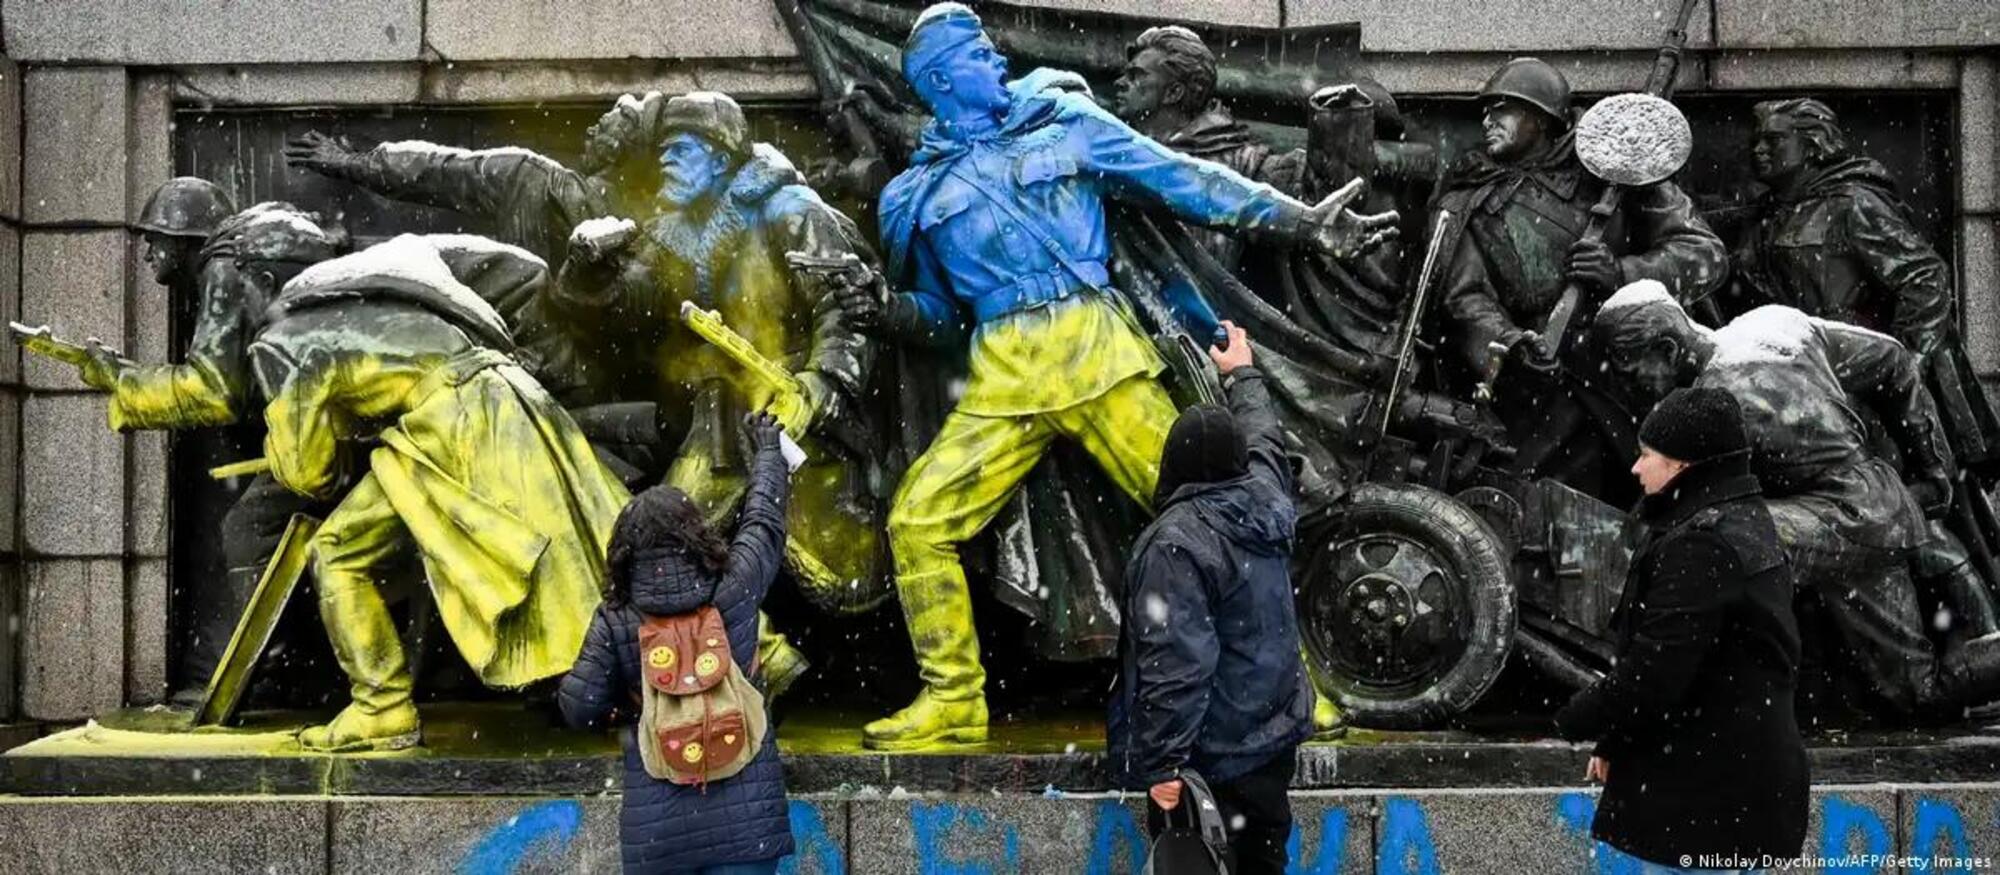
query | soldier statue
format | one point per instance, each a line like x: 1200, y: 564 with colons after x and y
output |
x: 1832, y: 238
x: 730, y: 212
x: 1518, y: 209
x: 1808, y: 387
x: 533, y: 202
x: 190, y: 233
x: 472, y: 460
x: 998, y: 231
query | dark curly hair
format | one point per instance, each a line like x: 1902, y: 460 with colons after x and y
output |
x: 660, y: 518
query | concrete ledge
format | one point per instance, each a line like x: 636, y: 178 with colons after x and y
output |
x: 212, y: 31
x: 1862, y: 828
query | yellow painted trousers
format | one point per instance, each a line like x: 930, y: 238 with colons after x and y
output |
x: 968, y: 473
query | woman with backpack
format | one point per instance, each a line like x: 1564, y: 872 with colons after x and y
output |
x: 670, y: 651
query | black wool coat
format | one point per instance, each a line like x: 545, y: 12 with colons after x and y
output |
x: 1696, y: 719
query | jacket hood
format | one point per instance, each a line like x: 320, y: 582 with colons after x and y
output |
x: 667, y: 582
x: 1241, y: 511
x: 1850, y: 171
x: 762, y: 174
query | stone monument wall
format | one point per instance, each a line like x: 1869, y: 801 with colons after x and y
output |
x: 88, y: 91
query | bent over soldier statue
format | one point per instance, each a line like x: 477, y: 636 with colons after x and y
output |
x: 472, y: 460
x: 1000, y: 221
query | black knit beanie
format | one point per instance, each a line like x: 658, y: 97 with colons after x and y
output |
x: 1204, y: 446
x: 1695, y: 425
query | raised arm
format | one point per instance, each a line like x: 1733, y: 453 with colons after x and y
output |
x: 758, y: 550
x: 1250, y: 404
x: 475, y: 182
x: 1197, y: 191
x: 841, y: 356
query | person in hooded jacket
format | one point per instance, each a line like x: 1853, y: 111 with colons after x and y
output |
x: 1211, y: 678
x: 663, y: 560
x: 1697, y: 743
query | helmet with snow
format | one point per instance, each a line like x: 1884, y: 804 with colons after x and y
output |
x: 185, y: 206
x: 713, y: 116
x: 1534, y: 82
x: 282, y: 236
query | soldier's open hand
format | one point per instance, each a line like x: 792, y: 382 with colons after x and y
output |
x: 1592, y: 266
x: 1343, y: 233
x: 318, y: 152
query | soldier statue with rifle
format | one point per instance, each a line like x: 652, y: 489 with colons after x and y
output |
x: 1528, y: 240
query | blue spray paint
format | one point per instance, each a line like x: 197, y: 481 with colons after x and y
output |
x: 810, y: 837
x: 1332, y: 851
x: 545, y: 829
x: 1115, y: 827
x: 1407, y: 847
x: 932, y: 825
x: 1841, y: 822
x: 1937, y: 819
x: 1576, y: 809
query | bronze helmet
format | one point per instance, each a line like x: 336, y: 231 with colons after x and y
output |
x: 1531, y: 80
x: 185, y: 206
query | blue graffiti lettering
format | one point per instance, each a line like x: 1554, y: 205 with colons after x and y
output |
x: 1576, y: 810
x: 933, y: 823
x: 1331, y: 855
x: 1406, y: 847
x: 812, y: 841
x: 1115, y: 828
x: 1841, y: 823
x: 1937, y: 819
x: 544, y: 829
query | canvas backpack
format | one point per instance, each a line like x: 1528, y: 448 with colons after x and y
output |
x: 700, y: 719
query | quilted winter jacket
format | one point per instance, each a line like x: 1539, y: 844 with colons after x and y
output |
x: 664, y: 827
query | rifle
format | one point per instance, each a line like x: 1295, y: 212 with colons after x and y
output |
x: 1659, y: 83
x: 709, y: 326
x: 41, y: 341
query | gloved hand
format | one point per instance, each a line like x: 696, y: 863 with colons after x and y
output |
x: 1592, y: 266
x: 1532, y: 351
x: 319, y: 153
x: 863, y: 300
x: 760, y: 434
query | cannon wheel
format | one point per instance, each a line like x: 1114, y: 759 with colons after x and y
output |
x: 1406, y: 606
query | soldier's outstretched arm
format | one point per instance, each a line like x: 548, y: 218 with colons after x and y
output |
x: 212, y: 385
x: 475, y: 182
x: 1198, y: 191
x: 1674, y: 245
x: 1900, y: 260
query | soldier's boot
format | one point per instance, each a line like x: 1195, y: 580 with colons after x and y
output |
x: 381, y: 715
x: 781, y: 663
x: 951, y: 709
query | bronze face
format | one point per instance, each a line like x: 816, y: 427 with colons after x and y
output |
x: 1778, y: 151
x: 1513, y: 128
x: 1145, y: 87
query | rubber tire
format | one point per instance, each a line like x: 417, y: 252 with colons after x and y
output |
x: 1476, y: 559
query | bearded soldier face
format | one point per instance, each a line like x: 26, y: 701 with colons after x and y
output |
x: 690, y: 167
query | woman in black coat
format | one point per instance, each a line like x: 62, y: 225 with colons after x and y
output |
x: 663, y: 560
x: 1697, y: 745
